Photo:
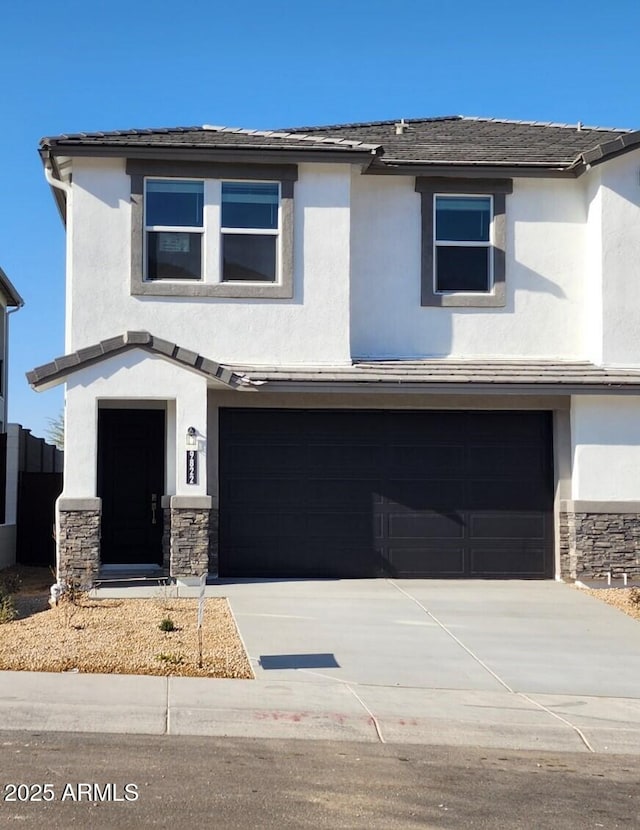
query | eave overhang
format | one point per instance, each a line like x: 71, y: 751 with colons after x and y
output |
x: 14, y: 300
x: 446, y: 376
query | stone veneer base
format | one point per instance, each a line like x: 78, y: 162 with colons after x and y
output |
x: 188, y: 537
x: 78, y: 542
x: 594, y: 544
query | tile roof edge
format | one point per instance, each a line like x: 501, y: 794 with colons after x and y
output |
x: 57, y: 370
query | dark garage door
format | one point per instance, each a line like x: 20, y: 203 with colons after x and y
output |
x: 374, y: 493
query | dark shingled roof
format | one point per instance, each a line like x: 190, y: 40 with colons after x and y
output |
x: 456, y: 139
x: 206, y: 137
x: 450, y: 140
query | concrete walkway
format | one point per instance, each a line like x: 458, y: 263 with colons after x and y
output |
x: 520, y: 665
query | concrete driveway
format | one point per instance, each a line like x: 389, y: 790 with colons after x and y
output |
x: 477, y: 659
x: 543, y: 637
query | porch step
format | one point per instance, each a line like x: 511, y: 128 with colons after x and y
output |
x: 155, y: 577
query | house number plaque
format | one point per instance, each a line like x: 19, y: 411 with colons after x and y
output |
x: 192, y: 466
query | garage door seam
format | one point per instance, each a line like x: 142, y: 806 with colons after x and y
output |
x: 475, y: 657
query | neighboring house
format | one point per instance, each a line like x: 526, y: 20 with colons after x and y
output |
x: 406, y: 349
x: 10, y: 301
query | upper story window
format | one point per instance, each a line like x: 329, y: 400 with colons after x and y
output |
x: 462, y: 255
x: 250, y: 229
x: 174, y: 229
x: 463, y: 241
x: 211, y: 229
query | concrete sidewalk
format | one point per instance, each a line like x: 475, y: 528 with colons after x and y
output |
x: 507, y: 665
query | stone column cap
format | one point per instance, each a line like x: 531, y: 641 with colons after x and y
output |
x: 187, y: 502
x: 584, y: 506
x: 68, y: 505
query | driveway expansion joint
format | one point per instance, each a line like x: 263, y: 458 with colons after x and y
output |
x: 480, y: 662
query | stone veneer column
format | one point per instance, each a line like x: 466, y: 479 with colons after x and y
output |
x: 598, y: 537
x: 78, y: 541
x: 187, y: 535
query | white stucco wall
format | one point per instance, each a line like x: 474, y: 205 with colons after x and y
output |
x: 605, y: 438
x: 544, y: 314
x: 620, y: 258
x: 313, y: 327
x: 134, y: 378
x: 572, y: 270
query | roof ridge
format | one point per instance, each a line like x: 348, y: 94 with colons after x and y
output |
x: 385, y: 122
x: 577, y: 127
x: 301, y: 136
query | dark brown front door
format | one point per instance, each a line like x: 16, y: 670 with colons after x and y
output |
x: 130, y: 483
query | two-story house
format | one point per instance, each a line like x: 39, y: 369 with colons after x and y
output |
x: 407, y: 349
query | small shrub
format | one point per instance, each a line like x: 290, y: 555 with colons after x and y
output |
x: 167, y: 624
x: 10, y: 582
x: 172, y: 659
x: 634, y: 597
x: 8, y: 610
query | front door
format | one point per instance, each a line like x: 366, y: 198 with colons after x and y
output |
x: 131, y: 450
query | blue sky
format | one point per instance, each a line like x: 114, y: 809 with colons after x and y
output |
x: 79, y: 66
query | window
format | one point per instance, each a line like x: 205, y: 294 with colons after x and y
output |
x: 462, y: 255
x: 250, y: 226
x: 463, y: 241
x: 173, y: 229
x: 211, y: 229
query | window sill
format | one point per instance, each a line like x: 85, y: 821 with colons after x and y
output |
x: 496, y: 299
x: 189, y: 288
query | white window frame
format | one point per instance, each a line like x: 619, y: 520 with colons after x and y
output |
x: 146, y: 229
x: 457, y: 243
x: 277, y: 232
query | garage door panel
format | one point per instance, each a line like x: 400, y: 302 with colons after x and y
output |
x: 507, y: 526
x: 280, y: 459
x: 426, y: 460
x: 507, y: 460
x: 345, y: 461
x: 416, y: 561
x: 412, y: 525
x: 504, y: 494
x: 414, y: 494
x: 523, y: 559
x: 339, y: 494
x: 420, y: 428
x: 275, y: 493
x: 340, y: 525
x: 505, y: 427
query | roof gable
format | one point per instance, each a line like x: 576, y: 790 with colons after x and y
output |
x: 59, y: 369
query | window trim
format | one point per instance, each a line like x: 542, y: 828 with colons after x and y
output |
x: 284, y: 174
x: 430, y: 187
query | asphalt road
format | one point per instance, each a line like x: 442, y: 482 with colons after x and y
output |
x: 184, y: 782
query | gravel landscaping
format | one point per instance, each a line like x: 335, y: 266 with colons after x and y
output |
x: 624, y: 599
x: 120, y: 636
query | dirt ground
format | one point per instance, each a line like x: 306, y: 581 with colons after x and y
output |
x: 118, y: 636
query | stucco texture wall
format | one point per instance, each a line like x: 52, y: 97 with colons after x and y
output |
x: 312, y: 327
x: 545, y: 252
x: 605, y: 435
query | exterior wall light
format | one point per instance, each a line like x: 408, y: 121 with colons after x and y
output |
x: 192, y: 439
